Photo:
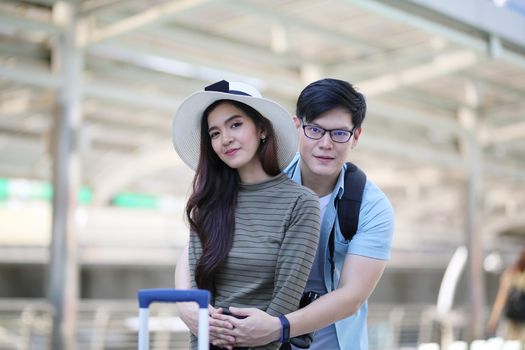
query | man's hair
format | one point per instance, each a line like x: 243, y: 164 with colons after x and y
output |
x: 326, y: 94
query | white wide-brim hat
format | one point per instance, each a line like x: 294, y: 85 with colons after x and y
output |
x: 186, y: 125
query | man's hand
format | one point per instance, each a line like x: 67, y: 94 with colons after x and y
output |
x: 258, y: 328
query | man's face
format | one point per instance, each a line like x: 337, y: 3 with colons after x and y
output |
x: 324, y: 157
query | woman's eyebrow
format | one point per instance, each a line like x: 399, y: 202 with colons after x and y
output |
x: 226, y: 121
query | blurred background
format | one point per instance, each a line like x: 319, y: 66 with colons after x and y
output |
x: 92, y: 192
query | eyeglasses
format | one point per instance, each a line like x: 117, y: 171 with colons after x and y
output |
x: 315, y: 132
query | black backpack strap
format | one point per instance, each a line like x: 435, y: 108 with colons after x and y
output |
x: 350, y: 203
x: 331, y: 248
x: 347, y: 209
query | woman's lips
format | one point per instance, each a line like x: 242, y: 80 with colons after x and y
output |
x: 231, y: 152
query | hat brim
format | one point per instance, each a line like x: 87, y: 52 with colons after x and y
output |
x: 185, y: 129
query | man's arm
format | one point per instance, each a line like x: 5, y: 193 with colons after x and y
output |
x: 359, y: 277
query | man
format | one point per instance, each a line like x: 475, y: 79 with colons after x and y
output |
x: 329, y: 117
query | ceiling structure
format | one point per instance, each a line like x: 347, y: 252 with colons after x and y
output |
x: 446, y: 116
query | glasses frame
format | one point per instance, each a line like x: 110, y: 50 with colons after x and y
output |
x: 304, y: 126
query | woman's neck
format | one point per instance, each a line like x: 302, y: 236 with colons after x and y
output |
x: 252, y: 175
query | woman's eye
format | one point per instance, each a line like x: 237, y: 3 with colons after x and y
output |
x: 236, y: 125
x: 214, y: 135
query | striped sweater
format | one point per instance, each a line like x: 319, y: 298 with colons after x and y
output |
x: 275, y: 240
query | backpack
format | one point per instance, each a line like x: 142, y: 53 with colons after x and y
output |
x: 515, y: 307
x: 348, y: 207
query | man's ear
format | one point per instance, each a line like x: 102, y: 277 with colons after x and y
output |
x: 355, y: 138
x: 296, y: 121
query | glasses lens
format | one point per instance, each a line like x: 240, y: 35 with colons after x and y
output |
x: 313, y: 132
x: 341, y: 135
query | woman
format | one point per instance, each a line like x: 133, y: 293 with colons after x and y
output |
x: 253, y: 231
x: 512, y: 283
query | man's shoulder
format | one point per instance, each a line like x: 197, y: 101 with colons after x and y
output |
x: 374, y: 197
x: 372, y: 192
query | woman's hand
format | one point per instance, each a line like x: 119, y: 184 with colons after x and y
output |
x: 217, y: 326
x: 188, y: 312
x: 257, y: 328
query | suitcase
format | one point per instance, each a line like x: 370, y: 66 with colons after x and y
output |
x: 168, y: 295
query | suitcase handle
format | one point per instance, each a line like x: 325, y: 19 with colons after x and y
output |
x: 168, y: 295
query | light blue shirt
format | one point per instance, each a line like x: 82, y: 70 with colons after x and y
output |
x: 373, y: 239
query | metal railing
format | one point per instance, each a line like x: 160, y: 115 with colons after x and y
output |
x: 25, y: 324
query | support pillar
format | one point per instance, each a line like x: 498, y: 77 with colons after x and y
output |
x: 472, y: 154
x: 63, y: 275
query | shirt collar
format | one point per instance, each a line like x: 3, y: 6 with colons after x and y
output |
x: 339, y: 187
x: 293, y: 170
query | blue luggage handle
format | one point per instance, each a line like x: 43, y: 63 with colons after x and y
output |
x: 168, y: 295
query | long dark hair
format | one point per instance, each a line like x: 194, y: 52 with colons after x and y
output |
x: 211, y: 206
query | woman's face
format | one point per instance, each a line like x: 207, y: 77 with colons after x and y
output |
x: 235, y: 139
